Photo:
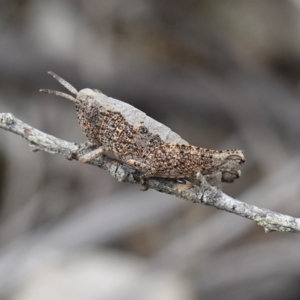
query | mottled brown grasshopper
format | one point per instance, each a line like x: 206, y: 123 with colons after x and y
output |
x: 147, y: 145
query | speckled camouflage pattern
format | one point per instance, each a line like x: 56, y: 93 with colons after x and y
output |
x: 147, y: 145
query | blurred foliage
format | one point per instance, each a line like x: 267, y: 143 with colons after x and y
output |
x: 223, y: 74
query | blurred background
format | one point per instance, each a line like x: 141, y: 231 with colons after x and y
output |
x: 222, y: 74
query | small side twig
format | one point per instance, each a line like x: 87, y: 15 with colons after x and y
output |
x: 204, y: 194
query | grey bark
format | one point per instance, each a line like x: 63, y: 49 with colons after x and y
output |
x: 204, y: 194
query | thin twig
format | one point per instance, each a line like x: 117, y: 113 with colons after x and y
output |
x: 204, y: 194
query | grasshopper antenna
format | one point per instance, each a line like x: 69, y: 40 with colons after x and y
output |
x: 64, y: 83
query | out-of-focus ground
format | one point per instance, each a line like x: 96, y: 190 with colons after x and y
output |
x: 222, y: 74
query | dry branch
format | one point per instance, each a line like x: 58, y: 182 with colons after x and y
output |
x: 204, y: 194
